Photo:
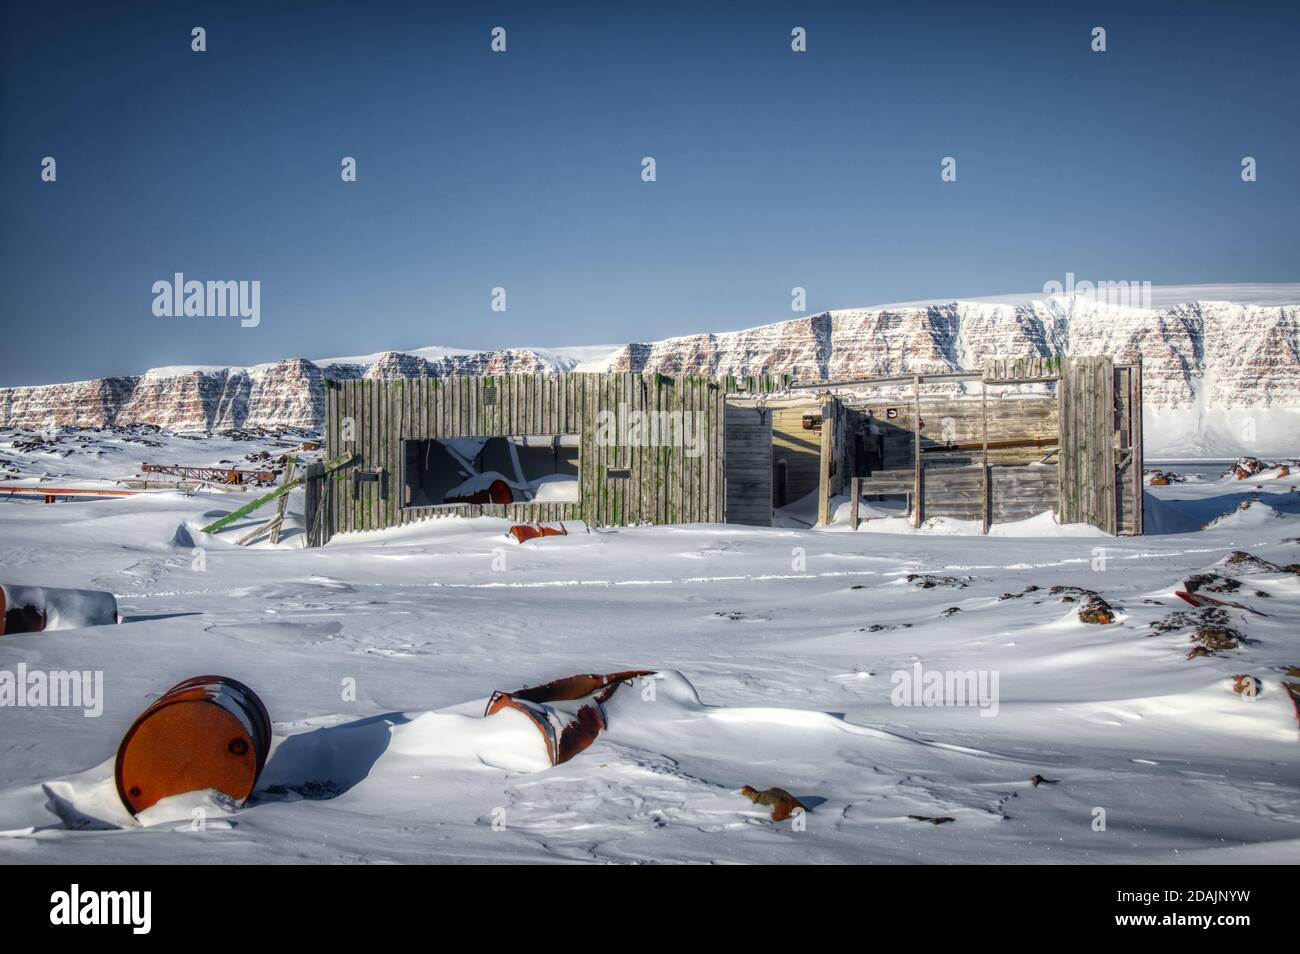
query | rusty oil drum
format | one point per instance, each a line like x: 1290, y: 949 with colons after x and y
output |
x: 206, y: 732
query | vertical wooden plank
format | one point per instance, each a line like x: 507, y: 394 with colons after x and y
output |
x: 986, y: 505
x: 917, y: 489
x: 1139, y: 458
x: 824, y: 464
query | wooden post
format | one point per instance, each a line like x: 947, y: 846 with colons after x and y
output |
x: 984, y: 414
x: 289, y: 468
x: 827, y: 463
x: 916, y: 452
x: 316, y: 506
x: 855, y: 490
x: 1135, y: 439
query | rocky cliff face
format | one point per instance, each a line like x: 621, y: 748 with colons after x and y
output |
x: 1197, y: 357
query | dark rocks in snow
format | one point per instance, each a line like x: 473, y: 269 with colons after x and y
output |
x: 933, y: 819
x: 1163, y: 478
x: 1092, y: 608
x: 1246, y: 685
x: 1015, y: 596
x: 1211, y: 640
x: 782, y: 803
x: 1245, y: 467
x: 952, y: 611
x: 928, y: 581
x: 1210, y: 583
x: 1248, y: 562
x: 1038, y: 780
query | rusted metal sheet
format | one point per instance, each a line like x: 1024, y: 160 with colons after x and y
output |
x: 569, y: 713
x: 497, y: 492
x: 522, y: 531
x: 206, y: 732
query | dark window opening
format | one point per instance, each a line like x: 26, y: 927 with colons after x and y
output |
x: 490, y: 470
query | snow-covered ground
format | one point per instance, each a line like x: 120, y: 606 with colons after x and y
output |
x: 779, y: 650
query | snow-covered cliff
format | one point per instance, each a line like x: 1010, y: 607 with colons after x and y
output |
x: 1220, y: 377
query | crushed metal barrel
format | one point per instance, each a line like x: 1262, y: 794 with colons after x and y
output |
x: 34, y: 609
x: 569, y: 713
x: 206, y: 732
x: 522, y: 531
x: 497, y: 492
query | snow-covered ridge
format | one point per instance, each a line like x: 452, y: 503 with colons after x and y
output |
x: 1221, y: 377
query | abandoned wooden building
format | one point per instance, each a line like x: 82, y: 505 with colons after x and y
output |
x: 1018, y: 438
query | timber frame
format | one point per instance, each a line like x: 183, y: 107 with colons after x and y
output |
x: 1062, y: 434
x: 1073, y: 445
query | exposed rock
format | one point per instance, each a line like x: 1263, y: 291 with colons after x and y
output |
x: 933, y: 819
x: 1092, y: 608
x: 782, y: 803
x: 1210, y: 583
x: 1246, y: 685
x: 1163, y: 478
x: 1210, y: 640
x: 928, y: 581
x: 1249, y: 563
x: 1245, y: 467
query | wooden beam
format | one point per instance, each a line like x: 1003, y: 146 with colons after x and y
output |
x: 984, y: 417
x: 341, y: 461
x: 289, y: 468
x: 916, y: 452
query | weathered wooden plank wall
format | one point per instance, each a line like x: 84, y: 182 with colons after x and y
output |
x: 1087, y: 461
x: 749, y: 464
x: 961, y: 419
x: 1129, y: 461
x: 620, y: 484
x: 1015, y: 492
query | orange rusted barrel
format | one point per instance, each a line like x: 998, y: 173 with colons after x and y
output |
x: 568, y: 712
x: 206, y: 732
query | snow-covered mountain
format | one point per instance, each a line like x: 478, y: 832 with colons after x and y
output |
x: 1221, y: 377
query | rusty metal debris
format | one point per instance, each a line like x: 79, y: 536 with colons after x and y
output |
x: 522, y: 531
x: 569, y: 713
x: 206, y: 732
x: 211, y: 475
x: 497, y: 492
x: 34, y: 609
x: 782, y: 803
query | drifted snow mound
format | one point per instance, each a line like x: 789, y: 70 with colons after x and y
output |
x: 335, y: 757
x: 509, y: 740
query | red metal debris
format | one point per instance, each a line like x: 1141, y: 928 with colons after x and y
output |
x: 1200, y: 599
x: 52, y: 494
x: 567, y: 730
x: 205, y: 732
x: 211, y: 475
x: 522, y: 531
x: 497, y: 492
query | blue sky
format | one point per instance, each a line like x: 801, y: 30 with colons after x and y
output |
x: 523, y: 169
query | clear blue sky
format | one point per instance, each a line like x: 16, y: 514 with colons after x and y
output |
x: 522, y: 169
